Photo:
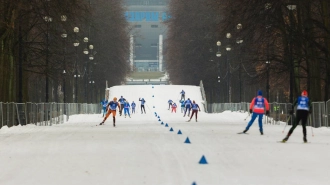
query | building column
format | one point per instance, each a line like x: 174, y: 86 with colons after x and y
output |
x: 131, y: 52
x: 160, y: 49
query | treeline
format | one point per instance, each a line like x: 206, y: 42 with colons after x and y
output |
x: 38, y: 59
x: 278, y: 46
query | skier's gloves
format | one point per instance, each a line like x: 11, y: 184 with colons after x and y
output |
x: 251, y: 111
x: 291, y: 112
x: 267, y: 112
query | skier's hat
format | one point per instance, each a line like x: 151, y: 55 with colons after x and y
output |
x: 304, y: 93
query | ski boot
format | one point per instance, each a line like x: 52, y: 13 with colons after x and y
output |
x: 189, y: 120
x: 286, y: 139
x: 102, y: 123
x: 261, y: 132
x: 196, y: 120
x: 245, y: 131
x: 305, y: 139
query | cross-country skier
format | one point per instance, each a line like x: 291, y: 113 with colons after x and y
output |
x: 133, y: 105
x: 104, y: 104
x: 169, y: 103
x: 304, y: 108
x: 174, y: 107
x: 111, y: 107
x: 121, y: 101
x: 195, y: 109
x: 126, y: 108
x: 258, y: 105
x: 188, y: 107
x: 142, y: 105
x: 182, y: 95
x: 182, y: 105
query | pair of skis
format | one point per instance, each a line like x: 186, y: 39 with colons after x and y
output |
x: 104, y: 124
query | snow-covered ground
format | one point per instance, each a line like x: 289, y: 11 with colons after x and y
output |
x: 142, y: 151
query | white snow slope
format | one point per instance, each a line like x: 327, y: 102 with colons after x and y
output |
x: 142, y: 151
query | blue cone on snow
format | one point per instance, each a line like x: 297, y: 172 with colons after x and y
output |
x: 187, y: 140
x: 194, y: 183
x: 162, y: 123
x: 152, y: 86
x: 153, y: 106
x: 203, y: 160
x: 171, y: 130
x: 159, y: 120
x: 152, y: 95
x: 179, y: 132
x: 166, y: 125
x: 158, y: 117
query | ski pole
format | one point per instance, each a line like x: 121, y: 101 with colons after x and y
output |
x: 310, y: 121
x: 247, y: 117
x: 286, y: 123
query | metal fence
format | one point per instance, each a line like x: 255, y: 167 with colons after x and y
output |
x: 42, y: 114
x: 279, y: 112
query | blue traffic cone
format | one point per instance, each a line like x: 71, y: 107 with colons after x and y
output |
x: 152, y: 95
x: 187, y: 140
x: 194, y: 183
x: 203, y: 160
x: 162, y: 123
x: 171, y: 129
x: 158, y: 119
x: 166, y: 125
x: 179, y: 132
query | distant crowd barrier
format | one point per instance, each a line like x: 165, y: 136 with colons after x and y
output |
x: 278, y: 112
x: 42, y: 114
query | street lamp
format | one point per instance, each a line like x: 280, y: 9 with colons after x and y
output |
x: 239, y: 41
x: 218, y: 54
x: 64, y: 35
x: 291, y: 8
x: 228, y: 48
x: 92, y: 84
x: 86, y: 52
x: 76, y: 44
x: 48, y: 20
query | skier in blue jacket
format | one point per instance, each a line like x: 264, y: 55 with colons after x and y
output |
x: 304, y: 108
x: 133, y: 105
x: 121, y: 101
x: 104, y: 104
x: 183, y: 95
x: 142, y: 105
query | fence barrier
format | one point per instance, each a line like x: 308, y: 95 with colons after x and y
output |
x: 42, y: 114
x: 47, y: 114
x: 278, y: 112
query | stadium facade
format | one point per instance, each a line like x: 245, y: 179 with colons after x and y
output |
x: 146, y: 18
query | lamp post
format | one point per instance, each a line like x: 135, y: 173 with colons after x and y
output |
x: 86, y: 52
x: 291, y: 8
x: 239, y: 41
x: 91, y: 57
x: 92, y: 84
x: 228, y: 48
x: 76, y: 44
x: 48, y: 20
x: 64, y: 35
x: 268, y: 6
x: 218, y: 54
